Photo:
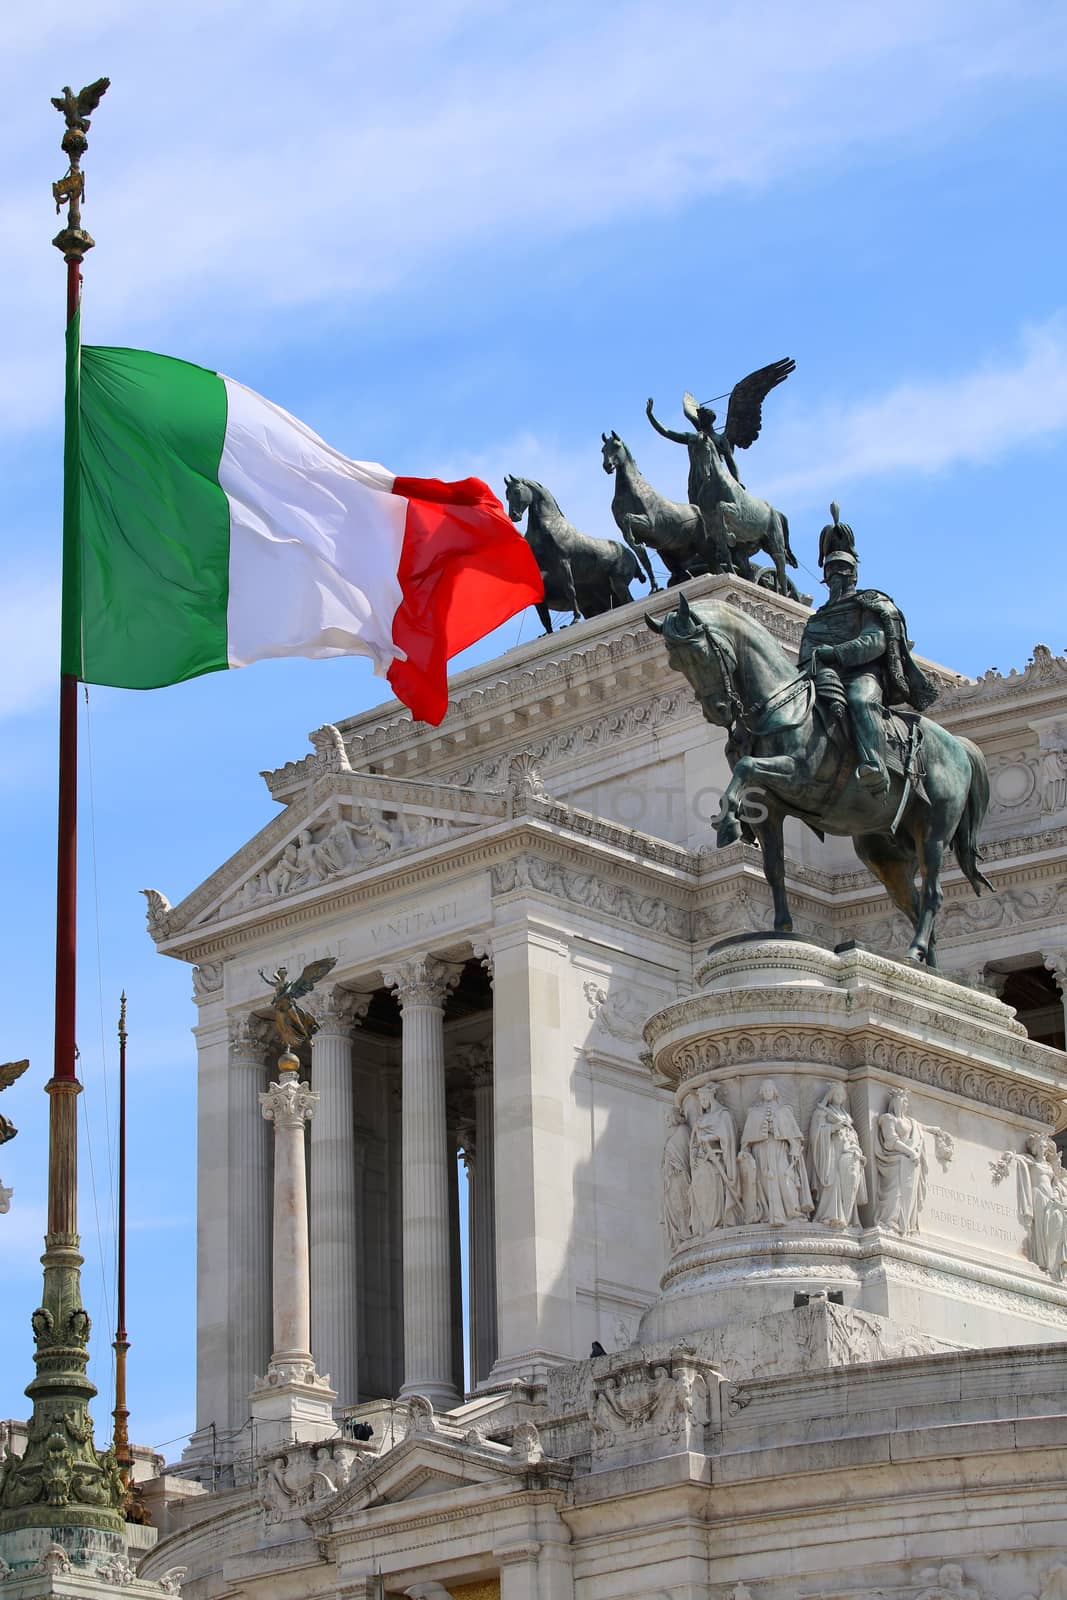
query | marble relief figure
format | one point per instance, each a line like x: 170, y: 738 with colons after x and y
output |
x: 836, y: 1162
x: 716, y: 1186
x: 774, y: 1180
x: 677, y: 1208
x: 1042, y: 1189
x: 900, y: 1154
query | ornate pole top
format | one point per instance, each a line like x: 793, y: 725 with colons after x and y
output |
x: 69, y: 190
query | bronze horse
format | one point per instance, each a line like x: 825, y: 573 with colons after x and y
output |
x: 787, y: 762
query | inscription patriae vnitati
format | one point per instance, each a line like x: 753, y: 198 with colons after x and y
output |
x: 410, y: 924
x: 974, y: 1214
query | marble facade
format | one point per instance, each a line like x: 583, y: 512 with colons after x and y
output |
x: 815, y: 1296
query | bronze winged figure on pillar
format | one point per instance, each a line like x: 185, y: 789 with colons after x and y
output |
x: 294, y: 1025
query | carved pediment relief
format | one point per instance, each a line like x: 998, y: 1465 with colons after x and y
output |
x: 422, y: 1466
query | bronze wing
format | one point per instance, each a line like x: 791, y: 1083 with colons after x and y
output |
x: 744, y: 417
x: 310, y: 976
x: 10, y: 1070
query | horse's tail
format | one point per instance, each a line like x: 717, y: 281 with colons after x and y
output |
x: 965, y: 842
x: 789, y: 556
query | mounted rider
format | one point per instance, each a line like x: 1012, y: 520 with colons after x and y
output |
x: 856, y: 647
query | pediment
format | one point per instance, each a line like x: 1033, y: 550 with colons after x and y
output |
x: 346, y: 824
x: 423, y: 1467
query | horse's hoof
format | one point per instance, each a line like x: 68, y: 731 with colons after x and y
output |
x: 729, y: 832
x: 917, y: 953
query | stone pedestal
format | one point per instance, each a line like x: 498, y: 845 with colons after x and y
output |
x: 851, y: 1125
x: 291, y: 1403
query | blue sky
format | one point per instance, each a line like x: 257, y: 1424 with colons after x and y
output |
x: 466, y: 237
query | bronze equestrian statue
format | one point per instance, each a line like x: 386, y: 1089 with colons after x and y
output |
x: 820, y: 743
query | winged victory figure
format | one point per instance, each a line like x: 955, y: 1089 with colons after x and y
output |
x: 744, y: 419
x: 294, y: 1025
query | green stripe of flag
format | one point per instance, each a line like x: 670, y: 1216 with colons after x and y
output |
x: 146, y: 524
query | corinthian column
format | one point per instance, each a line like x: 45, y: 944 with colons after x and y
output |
x: 421, y: 987
x: 1056, y: 962
x: 292, y: 1402
x: 334, y: 1200
x: 248, y: 1203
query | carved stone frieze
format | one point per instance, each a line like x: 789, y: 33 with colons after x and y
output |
x: 810, y: 1045
x: 593, y: 892
x: 335, y: 848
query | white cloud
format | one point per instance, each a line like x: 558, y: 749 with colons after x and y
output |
x: 317, y: 153
x: 926, y: 425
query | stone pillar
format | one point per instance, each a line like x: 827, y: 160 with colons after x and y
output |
x: 249, y: 1206
x: 536, y: 1569
x: 421, y: 986
x: 292, y: 1402
x: 534, y: 1155
x: 482, y: 1226
x: 335, y: 1209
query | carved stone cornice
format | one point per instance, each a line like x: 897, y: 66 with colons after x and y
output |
x: 1044, y: 670
x: 423, y: 981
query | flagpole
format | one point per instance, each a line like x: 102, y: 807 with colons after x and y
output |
x: 61, y: 1485
x: 120, y: 1436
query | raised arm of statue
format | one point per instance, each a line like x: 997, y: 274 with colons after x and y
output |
x: 668, y: 433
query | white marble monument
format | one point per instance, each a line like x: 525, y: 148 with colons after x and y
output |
x: 802, y: 1202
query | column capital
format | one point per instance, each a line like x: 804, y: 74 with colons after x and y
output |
x: 250, y: 1038
x: 289, y: 1103
x: 338, y: 1010
x: 1056, y: 963
x: 422, y: 981
x: 483, y: 954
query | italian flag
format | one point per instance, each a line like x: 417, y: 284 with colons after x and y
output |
x: 205, y: 527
